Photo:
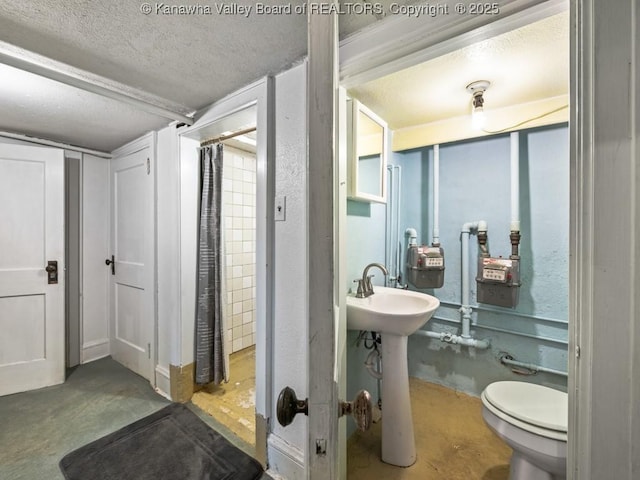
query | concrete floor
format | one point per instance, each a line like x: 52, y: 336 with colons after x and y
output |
x: 233, y: 404
x: 40, y: 427
x: 452, y: 440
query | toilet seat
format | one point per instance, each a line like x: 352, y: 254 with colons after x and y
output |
x: 534, y: 408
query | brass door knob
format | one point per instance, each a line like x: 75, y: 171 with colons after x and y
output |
x: 289, y: 406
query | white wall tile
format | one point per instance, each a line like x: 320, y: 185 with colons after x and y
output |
x: 239, y: 204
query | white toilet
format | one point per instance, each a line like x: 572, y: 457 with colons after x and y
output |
x: 532, y: 420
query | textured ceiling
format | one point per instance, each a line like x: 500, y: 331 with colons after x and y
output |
x: 523, y: 65
x: 192, y: 59
x: 39, y: 107
x: 197, y: 59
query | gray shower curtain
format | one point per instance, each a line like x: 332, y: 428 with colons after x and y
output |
x: 210, y: 365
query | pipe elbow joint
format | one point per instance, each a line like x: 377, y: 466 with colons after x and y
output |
x: 466, y: 227
x: 412, y: 234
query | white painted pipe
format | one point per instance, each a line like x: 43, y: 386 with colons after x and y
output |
x: 466, y: 309
x: 466, y: 321
x: 399, y: 253
x: 465, y: 283
x: 515, y: 182
x: 467, y: 227
x: 412, y: 234
x: 455, y: 339
x: 389, y: 223
x: 436, y: 194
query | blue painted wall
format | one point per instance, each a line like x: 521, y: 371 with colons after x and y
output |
x: 475, y: 185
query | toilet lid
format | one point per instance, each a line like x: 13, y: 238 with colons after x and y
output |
x: 534, y: 404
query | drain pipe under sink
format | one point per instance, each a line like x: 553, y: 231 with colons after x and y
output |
x: 371, y: 364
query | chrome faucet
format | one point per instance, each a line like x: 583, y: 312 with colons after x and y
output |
x: 365, y: 289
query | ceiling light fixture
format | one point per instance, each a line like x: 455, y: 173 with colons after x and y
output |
x: 477, y: 89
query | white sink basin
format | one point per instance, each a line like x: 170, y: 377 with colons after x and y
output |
x: 390, y: 310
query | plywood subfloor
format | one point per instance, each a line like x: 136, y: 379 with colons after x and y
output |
x: 452, y: 441
x: 234, y: 403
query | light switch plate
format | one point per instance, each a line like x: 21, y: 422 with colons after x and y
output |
x: 280, y: 209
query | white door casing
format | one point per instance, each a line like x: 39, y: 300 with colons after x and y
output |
x: 132, y: 245
x: 340, y: 294
x: 32, y: 343
x: 323, y: 455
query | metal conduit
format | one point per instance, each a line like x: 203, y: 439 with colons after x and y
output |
x: 507, y: 359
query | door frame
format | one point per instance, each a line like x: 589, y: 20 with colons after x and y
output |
x: 260, y: 94
x: 399, y: 43
x: 324, y: 460
x: 151, y: 277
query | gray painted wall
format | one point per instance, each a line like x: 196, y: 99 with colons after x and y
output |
x: 474, y: 185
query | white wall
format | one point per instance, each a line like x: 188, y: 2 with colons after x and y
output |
x: 189, y: 174
x: 95, y: 250
x: 177, y: 204
x: 168, y: 254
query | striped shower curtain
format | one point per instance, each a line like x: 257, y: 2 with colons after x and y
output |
x: 210, y: 359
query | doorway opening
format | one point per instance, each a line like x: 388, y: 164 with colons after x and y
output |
x: 239, y: 402
x: 418, y: 128
x: 232, y: 402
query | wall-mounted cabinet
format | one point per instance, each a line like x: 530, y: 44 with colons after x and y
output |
x: 368, y: 144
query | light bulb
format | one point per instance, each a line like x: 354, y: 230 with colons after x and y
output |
x: 477, y: 89
x: 478, y: 118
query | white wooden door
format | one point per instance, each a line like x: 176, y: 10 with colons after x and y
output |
x: 32, y: 334
x: 132, y: 230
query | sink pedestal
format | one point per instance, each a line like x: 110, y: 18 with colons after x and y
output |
x: 395, y: 314
x: 398, y: 444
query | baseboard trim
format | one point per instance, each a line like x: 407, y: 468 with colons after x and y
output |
x: 163, y: 381
x: 181, y: 382
x: 95, y: 350
x: 285, y: 460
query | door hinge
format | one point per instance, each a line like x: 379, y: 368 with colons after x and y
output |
x: 577, y: 351
x: 149, y: 350
x: 321, y: 446
x: 148, y: 166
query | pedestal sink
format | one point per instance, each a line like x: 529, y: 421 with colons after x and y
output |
x: 395, y: 314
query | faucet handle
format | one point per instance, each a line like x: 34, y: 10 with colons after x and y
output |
x: 368, y: 287
x: 360, y: 292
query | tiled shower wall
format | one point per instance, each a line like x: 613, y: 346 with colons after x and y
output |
x: 239, y: 217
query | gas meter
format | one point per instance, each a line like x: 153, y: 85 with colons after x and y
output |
x: 498, y: 281
x: 425, y: 266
